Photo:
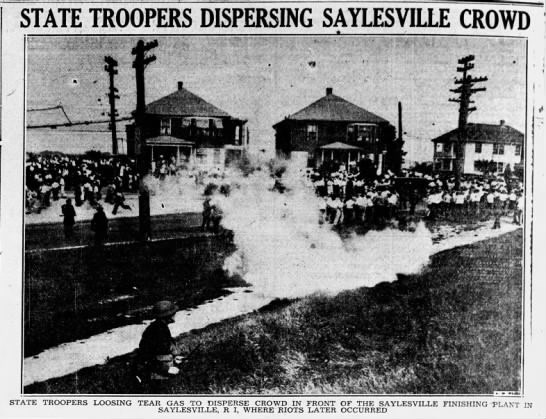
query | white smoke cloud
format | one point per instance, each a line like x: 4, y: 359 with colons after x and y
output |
x: 284, y: 252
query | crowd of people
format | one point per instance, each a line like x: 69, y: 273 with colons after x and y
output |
x: 476, y: 198
x: 348, y: 198
x: 90, y: 179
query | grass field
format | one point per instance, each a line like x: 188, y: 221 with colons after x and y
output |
x: 455, y: 328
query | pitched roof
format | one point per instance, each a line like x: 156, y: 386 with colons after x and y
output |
x: 334, y: 108
x: 338, y: 145
x: 484, y: 133
x: 184, y: 103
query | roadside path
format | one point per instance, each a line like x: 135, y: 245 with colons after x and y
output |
x: 122, y: 230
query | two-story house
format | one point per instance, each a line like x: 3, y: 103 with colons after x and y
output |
x: 332, y: 128
x: 185, y: 127
x: 500, y: 143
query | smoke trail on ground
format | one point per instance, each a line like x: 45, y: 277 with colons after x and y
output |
x: 284, y: 252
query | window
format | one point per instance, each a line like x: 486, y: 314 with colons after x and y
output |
x: 447, y: 147
x: 312, y: 132
x: 439, y: 147
x: 517, y: 152
x: 446, y: 164
x: 165, y: 127
x: 500, y: 167
x: 498, y: 148
x: 216, y: 156
x: 361, y: 133
x: 478, y: 147
x: 201, y: 156
x: 212, y: 128
x: 477, y: 167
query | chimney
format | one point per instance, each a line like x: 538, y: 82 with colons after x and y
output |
x: 180, y: 85
x: 502, y: 121
x: 329, y: 91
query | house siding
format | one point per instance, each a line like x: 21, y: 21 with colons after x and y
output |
x: 291, y: 136
x: 487, y: 135
x: 509, y: 156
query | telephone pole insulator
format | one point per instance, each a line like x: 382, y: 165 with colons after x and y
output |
x: 465, y: 90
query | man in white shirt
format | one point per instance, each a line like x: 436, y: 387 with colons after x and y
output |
x: 360, y: 208
x: 459, y: 198
x: 503, y: 198
x: 322, y: 209
x: 392, y: 204
x: 475, y: 202
x: 338, y: 206
x: 348, y: 210
x: 518, y: 212
x: 330, y: 209
x: 512, y: 200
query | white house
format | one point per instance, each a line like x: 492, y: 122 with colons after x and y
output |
x: 500, y: 143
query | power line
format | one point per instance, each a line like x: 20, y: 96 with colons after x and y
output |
x: 52, y: 108
x: 100, y: 131
x: 75, y: 123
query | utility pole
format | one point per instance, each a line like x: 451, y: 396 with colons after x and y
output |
x: 110, y: 68
x: 142, y: 152
x: 465, y: 90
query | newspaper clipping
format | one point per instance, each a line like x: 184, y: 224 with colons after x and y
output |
x: 259, y: 209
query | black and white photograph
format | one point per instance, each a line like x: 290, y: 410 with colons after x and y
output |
x: 274, y: 215
x: 267, y: 209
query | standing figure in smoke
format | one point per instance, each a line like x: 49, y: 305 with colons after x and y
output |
x: 99, y: 224
x: 69, y: 214
x: 205, y: 224
x: 216, y: 214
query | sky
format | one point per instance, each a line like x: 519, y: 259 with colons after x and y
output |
x: 265, y: 78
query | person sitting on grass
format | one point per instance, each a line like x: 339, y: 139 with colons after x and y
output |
x: 158, y: 354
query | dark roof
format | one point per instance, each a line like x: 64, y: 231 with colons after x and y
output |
x: 184, y: 103
x: 338, y: 145
x: 334, y: 108
x: 484, y: 133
